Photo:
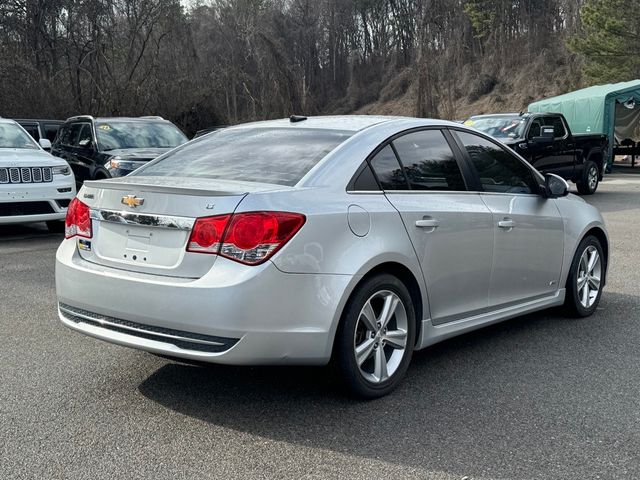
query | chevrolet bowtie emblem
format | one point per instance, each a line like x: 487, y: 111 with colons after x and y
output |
x: 132, y: 201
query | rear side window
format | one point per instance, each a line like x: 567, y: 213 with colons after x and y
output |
x: 32, y: 129
x: 388, y: 170
x: 50, y: 131
x: 558, y: 127
x: 280, y: 156
x: 428, y: 161
x: 499, y: 170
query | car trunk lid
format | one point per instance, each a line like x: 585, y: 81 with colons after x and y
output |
x: 143, y: 224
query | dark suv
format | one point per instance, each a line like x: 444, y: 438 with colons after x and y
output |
x: 40, y: 129
x: 113, y: 147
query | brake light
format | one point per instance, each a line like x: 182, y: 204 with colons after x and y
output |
x: 250, y: 238
x: 78, y: 220
x: 206, y: 235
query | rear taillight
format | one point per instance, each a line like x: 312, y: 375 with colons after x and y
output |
x: 249, y: 238
x: 78, y: 221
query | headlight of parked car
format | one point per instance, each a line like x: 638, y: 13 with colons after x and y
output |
x: 61, y: 170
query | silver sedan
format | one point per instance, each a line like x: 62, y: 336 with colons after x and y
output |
x: 359, y: 239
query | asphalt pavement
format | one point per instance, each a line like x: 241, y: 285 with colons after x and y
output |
x: 538, y: 397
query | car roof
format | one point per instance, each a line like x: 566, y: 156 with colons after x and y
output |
x: 498, y: 115
x: 7, y: 120
x: 39, y: 120
x: 353, y: 123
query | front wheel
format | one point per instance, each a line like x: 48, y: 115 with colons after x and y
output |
x: 586, y: 278
x: 375, y: 340
x: 588, y: 183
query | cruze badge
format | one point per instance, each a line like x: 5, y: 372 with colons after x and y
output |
x: 132, y: 201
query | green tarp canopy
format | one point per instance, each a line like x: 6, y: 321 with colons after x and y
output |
x: 612, y: 109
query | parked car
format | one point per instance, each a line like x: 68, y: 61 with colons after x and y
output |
x: 40, y: 129
x: 546, y: 142
x: 99, y: 148
x: 357, y: 238
x: 34, y: 185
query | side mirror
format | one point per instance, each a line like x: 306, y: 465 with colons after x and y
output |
x: 555, y: 186
x: 45, y: 143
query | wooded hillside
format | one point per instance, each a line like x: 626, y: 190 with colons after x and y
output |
x: 227, y: 61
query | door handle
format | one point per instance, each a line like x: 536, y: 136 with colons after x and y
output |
x: 507, y: 223
x: 427, y: 222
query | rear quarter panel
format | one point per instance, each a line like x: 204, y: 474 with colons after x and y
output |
x: 579, y: 217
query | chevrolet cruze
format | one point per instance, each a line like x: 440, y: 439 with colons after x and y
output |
x: 356, y: 240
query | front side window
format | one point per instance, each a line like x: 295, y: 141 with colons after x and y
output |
x: 84, y: 137
x: 114, y: 135
x: 536, y: 129
x: 390, y: 175
x: 498, y: 169
x: 280, y: 156
x: 12, y: 136
x: 428, y: 161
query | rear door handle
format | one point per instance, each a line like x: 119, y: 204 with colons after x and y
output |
x: 427, y: 222
x: 506, y: 223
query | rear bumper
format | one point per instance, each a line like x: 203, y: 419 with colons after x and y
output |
x: 259, y: 315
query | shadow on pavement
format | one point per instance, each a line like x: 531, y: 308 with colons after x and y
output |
x: 501, y: 401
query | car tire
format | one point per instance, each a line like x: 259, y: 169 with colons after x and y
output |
x: 586, y: 279
x: 373, y: 349
x: 590, y: 178
x: 55, y: 226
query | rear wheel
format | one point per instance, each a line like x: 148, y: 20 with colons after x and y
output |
x: 375, y: 340
x: 586, y: 277
x: 588, y: 183
x: 55, y: 226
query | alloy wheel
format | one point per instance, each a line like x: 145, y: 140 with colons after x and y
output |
x: 380, y: 337
x: 589, y: 276
x: 593, y: 178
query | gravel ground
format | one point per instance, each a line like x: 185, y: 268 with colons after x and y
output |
x: 541, y: 396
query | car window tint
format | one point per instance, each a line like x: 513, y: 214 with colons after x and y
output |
x: 428, y: 161
x: 74, y: 133
x: 50, y: 131
x: 365, y: 181
x: 84, y: 138
x: 32, y: 129
x: 385, y: 165
x: 280, y: 156
x: 498, y: 169
x: 536, y: 128
x: 558, y: 127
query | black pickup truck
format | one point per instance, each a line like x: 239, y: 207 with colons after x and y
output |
x: 546, y: 142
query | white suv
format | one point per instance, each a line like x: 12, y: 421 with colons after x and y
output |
x: 35, y: 186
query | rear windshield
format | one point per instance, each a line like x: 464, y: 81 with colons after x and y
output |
x: 280, y: 156
x: 114, y: 135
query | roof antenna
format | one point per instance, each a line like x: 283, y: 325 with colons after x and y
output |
x: 297, y: 118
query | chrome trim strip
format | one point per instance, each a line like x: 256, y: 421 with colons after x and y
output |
x: 138, y: 330
x: 143, y: 219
